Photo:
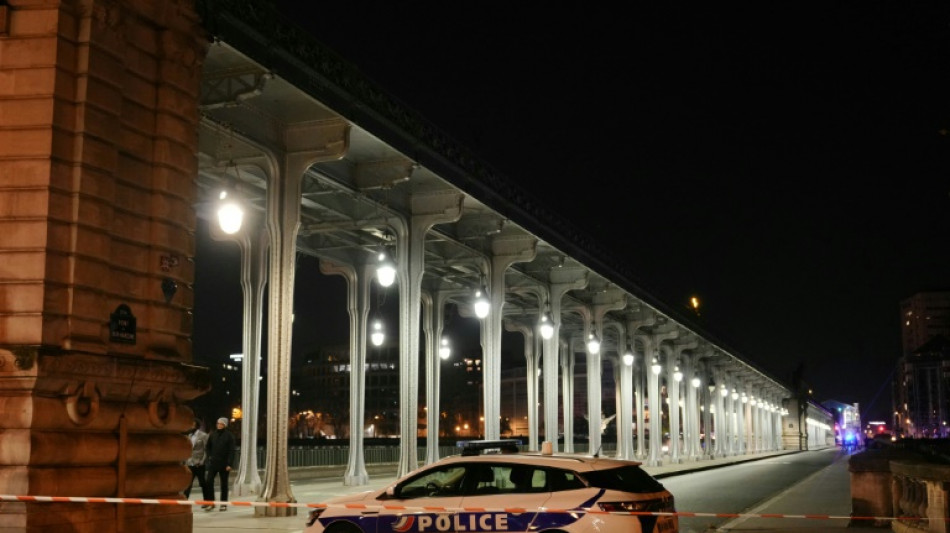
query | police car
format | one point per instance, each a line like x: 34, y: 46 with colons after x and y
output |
x: 492, y: 487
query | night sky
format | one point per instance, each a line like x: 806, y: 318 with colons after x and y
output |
x: 788, y: 164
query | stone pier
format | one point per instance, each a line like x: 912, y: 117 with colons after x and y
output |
x: 98, y: 136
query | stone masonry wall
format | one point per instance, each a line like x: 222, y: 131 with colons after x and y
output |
x: 98, y: 135
x: 98, y: 126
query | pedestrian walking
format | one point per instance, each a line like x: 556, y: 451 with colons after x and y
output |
x: 221, y: 449
x: 196, y: 463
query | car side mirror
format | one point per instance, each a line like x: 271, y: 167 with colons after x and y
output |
x: 391, y: 491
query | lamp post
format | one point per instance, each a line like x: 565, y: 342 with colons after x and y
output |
x: 709, y: 422
x: 656, y: 413
x: 676, y: 421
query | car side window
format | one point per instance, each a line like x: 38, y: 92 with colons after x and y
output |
x: 485, y: 479
x: 482, y: 478
x: 564, y: 480
x: 436, y: 483
x: 526, y: 479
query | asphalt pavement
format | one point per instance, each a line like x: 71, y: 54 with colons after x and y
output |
x: 826, y: 493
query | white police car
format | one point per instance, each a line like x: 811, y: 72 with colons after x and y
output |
x: 493, y: 487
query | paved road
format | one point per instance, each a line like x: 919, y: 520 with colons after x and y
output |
x: 823, y: 493
x: 826, y: 493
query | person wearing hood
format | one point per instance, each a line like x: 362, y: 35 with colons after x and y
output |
x: 221, y: 450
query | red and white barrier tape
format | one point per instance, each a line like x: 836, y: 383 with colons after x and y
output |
x: 681, y: 514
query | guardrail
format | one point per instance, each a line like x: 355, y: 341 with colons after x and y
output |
x: 333, y: 455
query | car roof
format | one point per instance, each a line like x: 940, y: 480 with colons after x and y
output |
x: 576, y: 462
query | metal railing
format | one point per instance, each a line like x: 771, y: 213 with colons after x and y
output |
x: 300, y: 456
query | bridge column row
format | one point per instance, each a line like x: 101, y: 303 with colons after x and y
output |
x: 720, y: 413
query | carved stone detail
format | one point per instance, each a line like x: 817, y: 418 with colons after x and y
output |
x: 148, y: 379
x: 82, y: 406
x: 24, y: 357
x: 107, y: 14
x: 160, y: 412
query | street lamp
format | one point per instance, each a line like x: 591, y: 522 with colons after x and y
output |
x: 378, y: 335
x: 655, y: 367
x: 385, y: 270
x: 677, y: 375
x: 444, y: 349
x: 230, y: 212
x: 695, y: 382
x: 628, y: 358
x: 593, y: 344
x: 545, y: 327
x: 694, y: 304
x: 481, y: 304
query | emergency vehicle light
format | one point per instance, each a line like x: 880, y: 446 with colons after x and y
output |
x: 477, y: 447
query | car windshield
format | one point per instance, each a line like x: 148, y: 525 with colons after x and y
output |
x: 626, y: 478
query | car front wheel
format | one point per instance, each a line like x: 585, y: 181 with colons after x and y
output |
x: 342, y: 527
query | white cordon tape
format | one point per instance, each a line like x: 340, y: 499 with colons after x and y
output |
x: 681, y: 514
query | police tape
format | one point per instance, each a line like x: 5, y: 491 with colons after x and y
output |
x: 425, y: 509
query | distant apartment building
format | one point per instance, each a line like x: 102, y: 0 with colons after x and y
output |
x: 924, y: 316
x: 320, y: 388
x: 921, y: 386
x: 320, y: 394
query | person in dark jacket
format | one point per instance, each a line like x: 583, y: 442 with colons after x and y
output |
x: 221, y: 450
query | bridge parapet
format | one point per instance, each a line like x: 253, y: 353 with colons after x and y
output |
x: 909, y: 483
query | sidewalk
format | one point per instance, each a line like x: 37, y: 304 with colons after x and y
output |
x: 320, y: 484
